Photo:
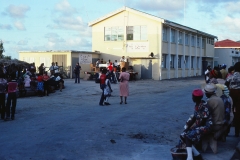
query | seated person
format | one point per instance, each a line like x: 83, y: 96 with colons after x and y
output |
x: 197, y: 126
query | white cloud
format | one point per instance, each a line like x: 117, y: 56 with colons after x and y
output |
x: 65, y: 8
x: 161, y: 5
x: 227, y: 28
x: 22, y: 42
x: 17, y: 11
x: 19, y: 25
x: 71, y: 23
x: 233, y: 7
x: 5, y: 26
x: 165, y: 9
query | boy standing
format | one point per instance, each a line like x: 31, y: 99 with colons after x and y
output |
x: 12, y: 98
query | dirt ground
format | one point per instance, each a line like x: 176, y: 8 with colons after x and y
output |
x: 71, y: 125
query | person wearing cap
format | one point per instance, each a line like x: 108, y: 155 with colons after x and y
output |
x: 198, y: 125
x: 224, y: 72
x: 233, y: 83
x: 227, y: 100
x: 217, y: 109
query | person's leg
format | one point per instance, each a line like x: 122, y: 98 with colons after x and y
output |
x: 189, y: 149
x: 102, y: 97
x: 236, y: 123
x: 9, y: 99
x: 76, y: 78
x: 2, y: 105
x: 125, y: 100
x: 14, y: 103
x: 121, y: 100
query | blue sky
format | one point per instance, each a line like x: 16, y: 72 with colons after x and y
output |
x: 27, y: 25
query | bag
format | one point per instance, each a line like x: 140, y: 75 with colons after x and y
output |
x: 107, y: 91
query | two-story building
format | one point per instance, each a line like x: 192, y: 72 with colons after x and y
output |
x: 227, y: 52
x: 156, y: 48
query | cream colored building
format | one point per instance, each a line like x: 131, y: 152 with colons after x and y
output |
x: 66, y: 59
x: 178, y: 51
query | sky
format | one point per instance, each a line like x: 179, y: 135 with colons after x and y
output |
x: 27, y: 25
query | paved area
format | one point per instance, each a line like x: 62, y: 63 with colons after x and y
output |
x: 70, y: 125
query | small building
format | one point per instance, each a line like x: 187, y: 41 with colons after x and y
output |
x: 66, y: 60
x: 226, y: 52
x: 156, y: 48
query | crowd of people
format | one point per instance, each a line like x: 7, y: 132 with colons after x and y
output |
x: 216, y: 115
x: 15, y: 79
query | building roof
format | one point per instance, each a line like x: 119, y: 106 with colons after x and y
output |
x: 147, y: 15
x: 227, y: 44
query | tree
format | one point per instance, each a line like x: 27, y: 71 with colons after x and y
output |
x: 1, y: 49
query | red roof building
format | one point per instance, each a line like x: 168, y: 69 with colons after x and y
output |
x: 226, y: 52
x: 227, y: 44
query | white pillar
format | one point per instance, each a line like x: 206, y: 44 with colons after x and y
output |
x: 190, y: 56
x: 183, y: 57
x: 176, y: 55
x: 168, y: 52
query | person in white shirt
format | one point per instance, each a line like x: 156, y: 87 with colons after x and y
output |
x: 123, y: 59
x: 207, y: 72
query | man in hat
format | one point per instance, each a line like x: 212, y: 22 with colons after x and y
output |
x: 217, y: 109
x: 198, y: 124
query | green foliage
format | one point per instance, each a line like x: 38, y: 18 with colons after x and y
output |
x: 1, y: 52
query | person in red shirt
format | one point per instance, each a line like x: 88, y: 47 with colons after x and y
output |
x: 40, y: 85
x: 45, y: 83
x: 110, y: 70
x: 12, y: 98
x: 102, y: 85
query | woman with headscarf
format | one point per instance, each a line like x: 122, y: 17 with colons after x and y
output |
x: 124, y: 88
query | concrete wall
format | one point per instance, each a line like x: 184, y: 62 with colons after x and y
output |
x: 43, y: 57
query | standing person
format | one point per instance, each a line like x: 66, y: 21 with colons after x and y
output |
x: 107, y: 89
x: 197, y: 125
x: 207, y: 72
x: 12, y: 98
x: 233, y: 83
x: 230, y: 71
x: 3, y: 87
x: 56, y: 69
x: 110, y: 70
x: 41, y: 69
x: 40, y: 87
x: 123, y: 59
x: 97, y: 65
x: 224, y: 72
x: 102, y: 85
x: 124, y: 88
x: 45, y: 83
x: 52, y: 69
x: 77, y: 73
